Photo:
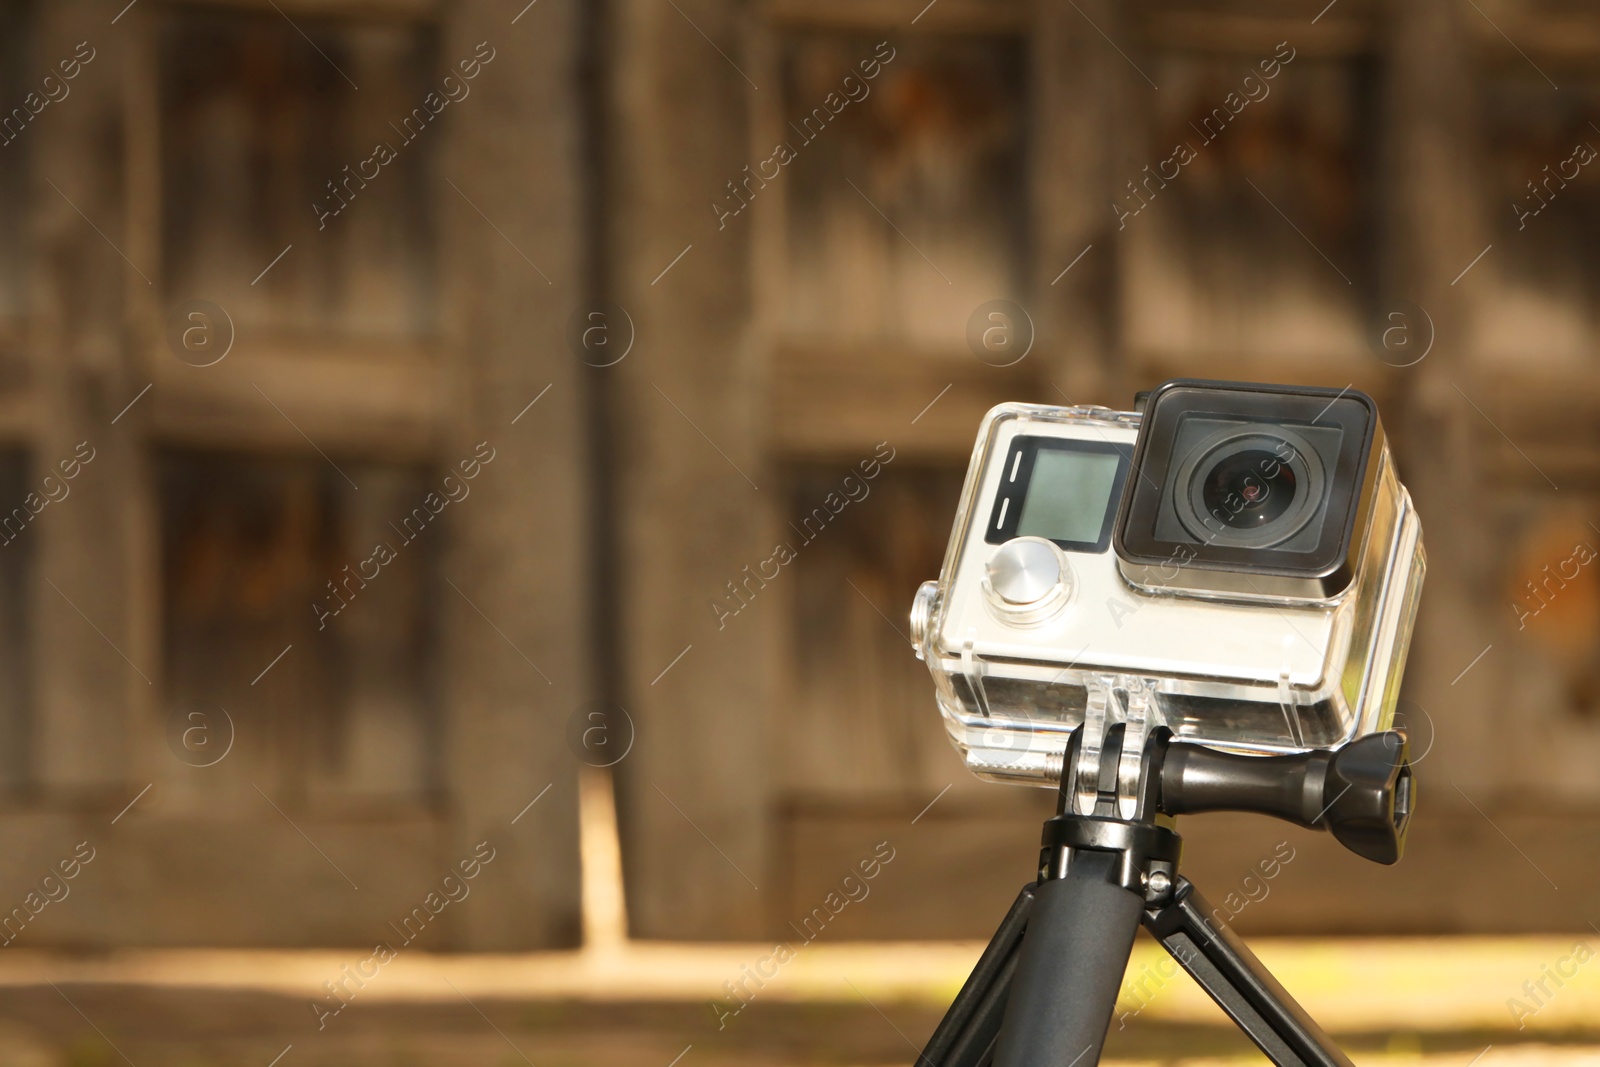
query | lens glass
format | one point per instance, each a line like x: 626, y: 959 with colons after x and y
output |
x: 1245, y: 485
x: 1248, y: 490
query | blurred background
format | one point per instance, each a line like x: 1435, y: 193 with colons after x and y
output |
x: 401, y: 402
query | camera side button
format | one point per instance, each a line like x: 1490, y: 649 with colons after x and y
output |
x: 1027, y: 580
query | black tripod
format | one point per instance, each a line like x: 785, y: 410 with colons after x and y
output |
x: 1044, y: 990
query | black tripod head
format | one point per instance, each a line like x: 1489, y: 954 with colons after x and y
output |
x: 1044, y: 990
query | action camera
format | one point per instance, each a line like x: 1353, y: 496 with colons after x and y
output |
x: 1238, y: 563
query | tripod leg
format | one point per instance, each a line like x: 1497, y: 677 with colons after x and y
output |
x: 967, y: 1033
x: 1230, y: 973
x: 1073, y: 955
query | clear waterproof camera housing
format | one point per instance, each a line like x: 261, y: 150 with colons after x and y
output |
x: 1239, y: 564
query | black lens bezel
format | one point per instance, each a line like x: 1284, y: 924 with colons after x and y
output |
x: 1331, y: 564
x: 1020, y: 458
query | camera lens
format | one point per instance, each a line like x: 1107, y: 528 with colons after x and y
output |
x: 1249, y: 489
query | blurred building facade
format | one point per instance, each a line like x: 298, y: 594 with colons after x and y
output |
x: 206, y: 610
x: 306, y: 279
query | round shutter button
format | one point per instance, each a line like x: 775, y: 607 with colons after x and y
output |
x: 1027, y: 580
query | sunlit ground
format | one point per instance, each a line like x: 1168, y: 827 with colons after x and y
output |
x: 1439, y: 1002
x: 1423, y: 1001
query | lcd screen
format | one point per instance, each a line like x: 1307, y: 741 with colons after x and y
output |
x: 1068, y: 495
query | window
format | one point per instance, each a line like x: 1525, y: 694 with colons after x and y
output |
x: 16, y: 569
x: 1542, y: 184
x: 863, y: 719
x: 261, y: 556
x: 906, y: 205
x: 264, y: 146
x: 1243, y: 214
x: 15, y: 34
